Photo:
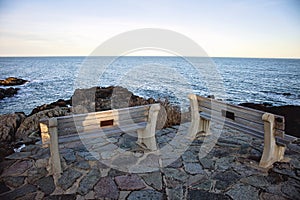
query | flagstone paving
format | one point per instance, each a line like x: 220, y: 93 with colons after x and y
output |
x: 205, y: 167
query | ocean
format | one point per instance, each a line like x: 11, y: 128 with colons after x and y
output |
x: 234, y: 80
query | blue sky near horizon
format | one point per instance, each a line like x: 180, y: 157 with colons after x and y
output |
x: 232, y: 28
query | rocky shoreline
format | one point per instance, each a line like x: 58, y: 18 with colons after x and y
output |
x: 8, y: 92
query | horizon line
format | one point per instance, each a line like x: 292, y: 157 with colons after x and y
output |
x: 55, y: 56
x: 61, y: 56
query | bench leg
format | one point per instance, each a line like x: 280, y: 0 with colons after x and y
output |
x: 195, y: 119
x: 204, y: 126
x: 272, y: 152
x: 54, y: 151
x: 198, y: 124
x: 148, y: 142
x: 146, y: 137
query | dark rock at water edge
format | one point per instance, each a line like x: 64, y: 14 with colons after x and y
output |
x: 9, y: 124
x: 11, y: 81
x: 8, y: 92
x: 290, y: 112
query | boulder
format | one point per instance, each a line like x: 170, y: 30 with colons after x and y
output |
x: 106, y: 98
x: 31, y: 123
x: 11, y: 81
x: 8, y: 92
x: 113, y: 97
x: 9, y: 123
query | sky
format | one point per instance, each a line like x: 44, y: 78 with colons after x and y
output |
x: 223, y: 28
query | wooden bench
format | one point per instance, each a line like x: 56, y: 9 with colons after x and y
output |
x: 66, y: 129
x: 260, y: 124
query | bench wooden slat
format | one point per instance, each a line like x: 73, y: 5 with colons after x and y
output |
x: 288, y: 138
x: 238, y: 120
x: 87, y: 127
x: 239, y: 111
x: 121, y: 110
x: 100, y: 133
x: 233, y: 125
x: 210, y: 103
x: 250, y: 131
x: 108, y: 114
x: 96, y: 121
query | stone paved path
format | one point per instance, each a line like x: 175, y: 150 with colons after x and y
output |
x: 117, y: 168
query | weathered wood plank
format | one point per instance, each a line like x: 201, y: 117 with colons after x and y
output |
x: 233, y: 125
x: 82, y: 127
x: 113, y: 114
x: 101, y: 133
x: 239, y: 111
x: 237, y: 120
x: 107, y: 112
x: 116, y: 119
x: 243, y: 128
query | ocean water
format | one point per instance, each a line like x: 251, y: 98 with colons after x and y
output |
x: 234, y: 80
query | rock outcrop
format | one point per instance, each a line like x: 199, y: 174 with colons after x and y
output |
x: 9, y: 123
x: 105, y: 98
x: 58, y: 103
x: 290, y: 112
x: 8, y: 92
x: 31, y: 124
x: 11, y: 81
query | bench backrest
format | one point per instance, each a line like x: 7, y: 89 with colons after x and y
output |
x: 78, y: 123
x: 250, y: 118
x: 73, y: 124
